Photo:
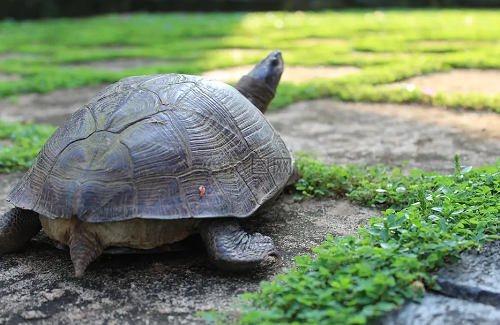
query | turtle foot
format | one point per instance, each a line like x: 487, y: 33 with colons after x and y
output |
x: 232, y: 249
x: 17, y: 227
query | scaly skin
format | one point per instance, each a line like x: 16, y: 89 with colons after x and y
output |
x: 17, y: 227
x: 84, y: 248
x: 232, y: 249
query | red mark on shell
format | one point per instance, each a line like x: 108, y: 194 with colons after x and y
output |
x: 202, y: 190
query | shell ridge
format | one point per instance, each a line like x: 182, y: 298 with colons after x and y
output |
x: 231, y: 119
x: 186, y: 144
x: 132, y: 179
x: 183, y: 197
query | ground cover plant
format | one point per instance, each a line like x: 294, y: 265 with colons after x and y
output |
x: 430, y: 219
x: 20, y: 143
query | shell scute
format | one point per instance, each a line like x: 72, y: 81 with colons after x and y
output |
x: 144, y: 146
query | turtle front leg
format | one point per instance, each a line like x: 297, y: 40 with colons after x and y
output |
x: 17, y: 227
x: 231, y: 248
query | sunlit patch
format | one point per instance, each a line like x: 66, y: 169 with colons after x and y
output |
x: 469, y: 20
x: 455, y: 81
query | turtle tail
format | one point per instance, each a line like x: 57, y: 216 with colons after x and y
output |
x: 84, y: 248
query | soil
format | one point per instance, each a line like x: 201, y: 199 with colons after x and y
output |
x: 17, y: 56
x: 9, y: 77
x: 457, y: 81
x: 37, y: 285
x: 53, y: 108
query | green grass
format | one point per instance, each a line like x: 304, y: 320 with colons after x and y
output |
x: 430, y: 219
x: 20, y: 143
x: 431, y: 41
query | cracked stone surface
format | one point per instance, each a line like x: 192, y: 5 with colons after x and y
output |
x: 475, y: 277
x: 440, y: 310
x: 37, y: 286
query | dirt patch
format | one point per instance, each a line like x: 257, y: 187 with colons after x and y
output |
x: 321, y: 41
x: 5, y: 142
x: 17, y: 56
x: 9, y: 77
x: 457, y: 81
x: 116, y: 64
x: 295, y: 74
x: 428, y: 138
x: 53, y: 108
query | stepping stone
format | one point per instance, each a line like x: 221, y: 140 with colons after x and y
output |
x: 476, y: 277
x: 441, y: 310
x: 456, y: 81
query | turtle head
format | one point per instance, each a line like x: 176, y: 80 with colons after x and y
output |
x: 259, y: 85
x: 269, y: 70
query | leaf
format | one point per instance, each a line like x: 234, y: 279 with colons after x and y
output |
x: 466, y: 170
x: 387, y: 246
x: 433, y: 217
x: 374, y: 231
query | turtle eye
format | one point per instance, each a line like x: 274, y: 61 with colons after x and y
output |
x: 274, y: 62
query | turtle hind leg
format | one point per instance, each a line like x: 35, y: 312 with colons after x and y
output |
x: 17, y: 227
x: 84, y: 248
x: 231, y: 248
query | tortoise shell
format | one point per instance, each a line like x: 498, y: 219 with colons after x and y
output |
x: 158, y: 147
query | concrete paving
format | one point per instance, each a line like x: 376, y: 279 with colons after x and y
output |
x: 37, y: 286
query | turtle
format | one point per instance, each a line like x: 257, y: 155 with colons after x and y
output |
x: 151, y: 160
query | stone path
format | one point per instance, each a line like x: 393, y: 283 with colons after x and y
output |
x: 457, y: 81
x: 37, y: 286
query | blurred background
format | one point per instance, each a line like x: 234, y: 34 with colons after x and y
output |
x: 36, y: 9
